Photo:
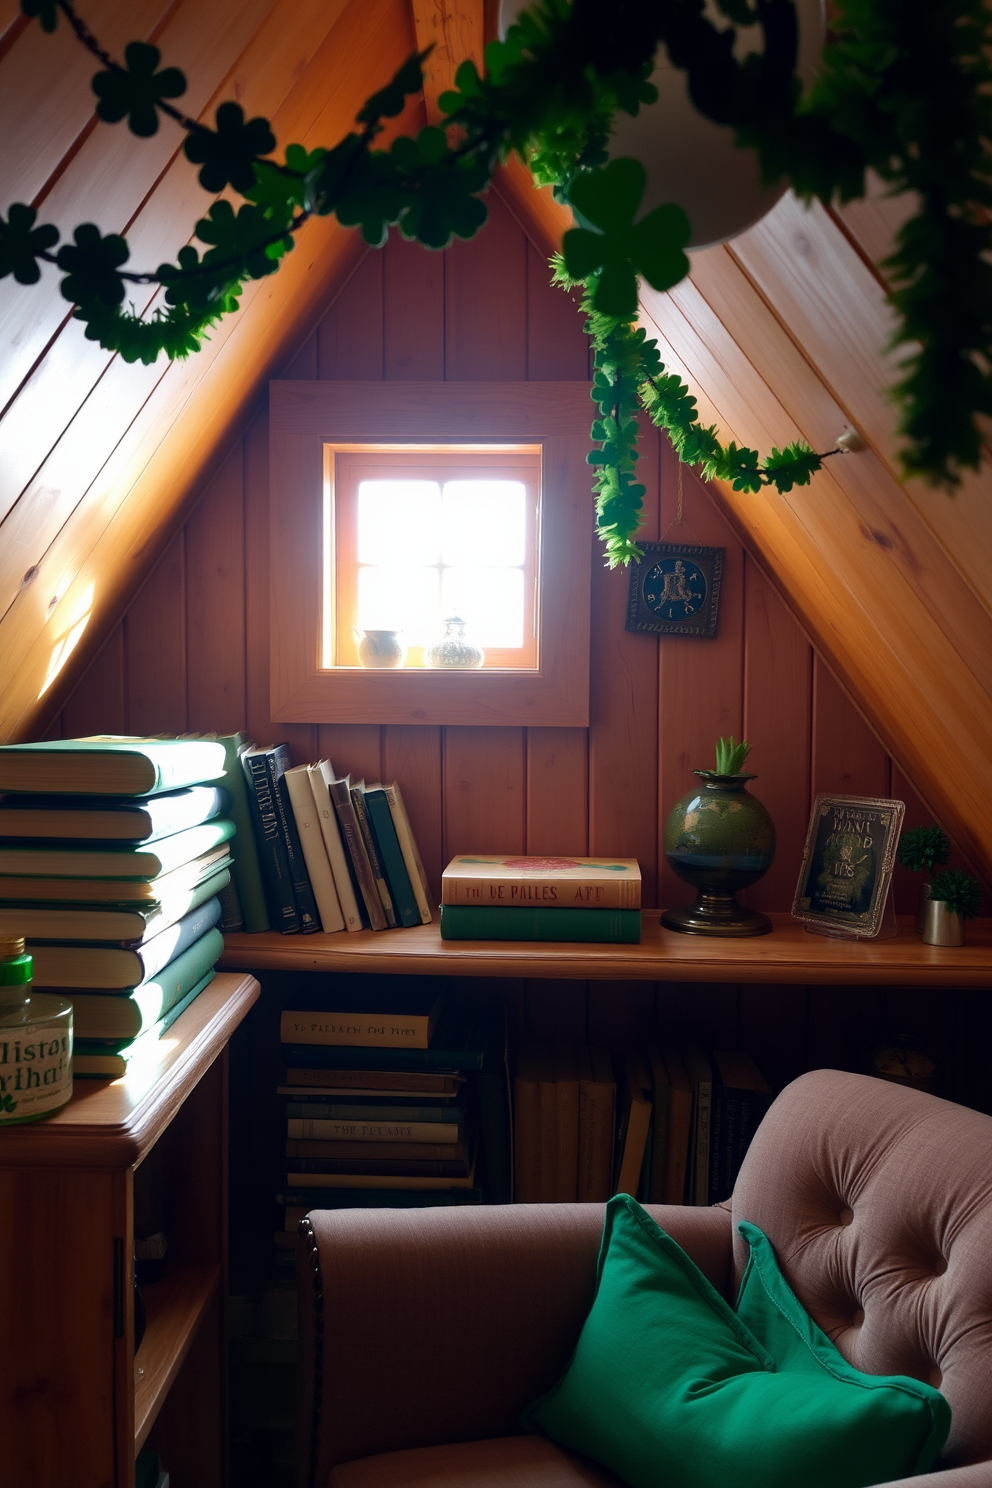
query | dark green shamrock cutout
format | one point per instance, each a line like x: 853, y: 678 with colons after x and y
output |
x: 279, y: 190
x: 389, y: 101
x: 374, y: 196
x: 228, y: 154
x: 608, y: 197
x: 91, y: 266
x: 21, y: 242
x: 445, y: 201
x: 7, y: 1103
x: 135, y: 91
x: 47, y: 12
x: 243, y: 240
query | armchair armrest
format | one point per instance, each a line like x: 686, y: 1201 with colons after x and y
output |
x: 424, y: 1326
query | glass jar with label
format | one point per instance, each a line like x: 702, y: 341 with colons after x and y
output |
x: 35, y: 1041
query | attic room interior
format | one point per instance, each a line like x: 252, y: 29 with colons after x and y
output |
x: 495, y: 701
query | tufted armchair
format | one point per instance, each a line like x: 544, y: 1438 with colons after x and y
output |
x: 424, y: 1332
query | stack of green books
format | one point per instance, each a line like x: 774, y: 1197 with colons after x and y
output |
x: 487, y: 897
x: 113, y: 852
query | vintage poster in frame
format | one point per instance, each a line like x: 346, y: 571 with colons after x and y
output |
x: 847, y: 864
x: 675, y: 589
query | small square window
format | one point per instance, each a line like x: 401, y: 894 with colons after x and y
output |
x: 395, y: 506
x: 418, y: 535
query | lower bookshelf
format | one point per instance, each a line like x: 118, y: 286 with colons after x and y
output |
x: 174, y: 1309
x: 71, y: 1378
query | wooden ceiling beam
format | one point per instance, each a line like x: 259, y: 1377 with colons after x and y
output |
x: 454, y: 30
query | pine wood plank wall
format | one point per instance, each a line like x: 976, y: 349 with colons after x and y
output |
x: 191, y: 654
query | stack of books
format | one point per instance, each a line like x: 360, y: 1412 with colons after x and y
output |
x: 486, y: 897
x: 330, y: 854
x: 672, y: 1129
x: 113, y: 852
x: 400, y: 1103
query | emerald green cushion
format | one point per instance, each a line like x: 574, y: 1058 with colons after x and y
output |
x: 672, y: 1389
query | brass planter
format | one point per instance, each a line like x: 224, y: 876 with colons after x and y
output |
x: 941, y: 927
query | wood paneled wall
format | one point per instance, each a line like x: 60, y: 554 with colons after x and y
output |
x: 191, y: 651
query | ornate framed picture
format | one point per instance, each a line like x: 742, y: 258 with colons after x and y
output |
x: 847, y: 864
x: 675, y: 589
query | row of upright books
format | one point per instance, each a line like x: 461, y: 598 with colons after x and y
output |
x: 392, y: 1102
x: 668, y: 1124
x: 489, y: 897
x: 318, y: 851
x: 113, y: 856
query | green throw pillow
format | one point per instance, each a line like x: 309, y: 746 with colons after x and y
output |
x: 672, y: 1389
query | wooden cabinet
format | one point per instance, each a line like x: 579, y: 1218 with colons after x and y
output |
x: 76, y: 1401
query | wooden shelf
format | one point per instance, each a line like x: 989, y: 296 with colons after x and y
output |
x: 788, y: 955
x: 114, y: 1122
x: 174, y: 1308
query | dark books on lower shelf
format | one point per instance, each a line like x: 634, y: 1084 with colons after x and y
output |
x: 741, y: 1096
x: 564, y: 1098
x: 675, y: 1131
x: 527, y: 922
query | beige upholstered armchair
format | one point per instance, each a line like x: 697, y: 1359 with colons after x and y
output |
x: 424, y: 1332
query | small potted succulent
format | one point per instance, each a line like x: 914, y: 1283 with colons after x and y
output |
x: 953, y: 898
x: 923, y: 850
x: 719, y: 839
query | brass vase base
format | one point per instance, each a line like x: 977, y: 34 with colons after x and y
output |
x: 716, y: 914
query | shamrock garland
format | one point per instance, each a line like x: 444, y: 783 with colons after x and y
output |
x: 905, y: 87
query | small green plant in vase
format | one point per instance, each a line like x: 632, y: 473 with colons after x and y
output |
x: 719, y: 839
x: 954, y: 896
x: 923, y: 850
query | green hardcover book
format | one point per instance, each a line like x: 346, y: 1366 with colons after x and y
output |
x: 391, y: 855
x: 99, y: 1015
x: 117, y: 969
x: 112, y: 925
x: 100, y: 818
x: 109, y: 765
x: 102, y: 1059
x: 615, y: 926
x: 149, y: 862
x: 247, y: 868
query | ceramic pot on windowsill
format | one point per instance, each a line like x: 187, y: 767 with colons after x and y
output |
x: 719, y: 838
x: 380, y: 648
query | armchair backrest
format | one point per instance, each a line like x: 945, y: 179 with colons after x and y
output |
x: 878, y: 1201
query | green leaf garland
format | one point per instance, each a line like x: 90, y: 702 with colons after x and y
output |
x: 904, y: 88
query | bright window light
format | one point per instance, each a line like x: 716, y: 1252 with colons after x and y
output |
x: 399, y: 521
x: 451, y: 533
x: 483, y: 522
x: 490, y: 601
x: 394, y: 598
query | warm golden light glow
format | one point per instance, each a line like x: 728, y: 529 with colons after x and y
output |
x: 70, y: 637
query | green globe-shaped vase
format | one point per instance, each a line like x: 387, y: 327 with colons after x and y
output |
x: 719, y: 839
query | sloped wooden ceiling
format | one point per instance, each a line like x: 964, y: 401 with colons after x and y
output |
x: 779, y: 334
